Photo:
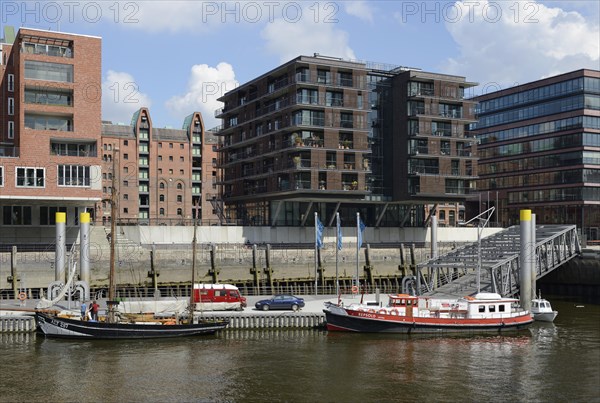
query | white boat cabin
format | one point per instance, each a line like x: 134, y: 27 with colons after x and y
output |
x: 482, y: 305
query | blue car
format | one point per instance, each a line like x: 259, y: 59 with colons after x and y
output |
x: 280, y: 301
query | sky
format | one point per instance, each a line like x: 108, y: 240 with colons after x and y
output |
x: 178, y: 57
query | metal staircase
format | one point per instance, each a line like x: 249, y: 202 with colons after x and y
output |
x: 456, y: 273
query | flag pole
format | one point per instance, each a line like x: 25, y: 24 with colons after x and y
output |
x: 337, y: 250
x: 316, y: 252
x: 357, y: 247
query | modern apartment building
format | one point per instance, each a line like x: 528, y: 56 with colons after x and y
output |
x: 321, y: 134
x: 50, y: 128
x: 160, y: 174
x: 540, y: 149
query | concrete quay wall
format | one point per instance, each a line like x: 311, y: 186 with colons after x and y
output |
x: 233, y: 258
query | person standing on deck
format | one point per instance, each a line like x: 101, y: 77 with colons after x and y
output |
x: 83, y: 310
x: 94, y: 310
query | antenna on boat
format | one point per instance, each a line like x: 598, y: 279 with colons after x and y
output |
x: 480, y: 228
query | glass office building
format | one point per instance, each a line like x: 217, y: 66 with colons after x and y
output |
x: 539, y: 148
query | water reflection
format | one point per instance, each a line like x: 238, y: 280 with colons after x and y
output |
x: 549, y: 362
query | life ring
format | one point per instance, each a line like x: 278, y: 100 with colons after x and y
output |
x: 354, y: 289
x: 371, y: 311
x: 22, y: 296
x: 382, y: 311
x: 394, y: 312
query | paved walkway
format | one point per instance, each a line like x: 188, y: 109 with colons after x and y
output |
x: 314, y: 304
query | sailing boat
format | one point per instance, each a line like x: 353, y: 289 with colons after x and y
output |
x: 113, y: 326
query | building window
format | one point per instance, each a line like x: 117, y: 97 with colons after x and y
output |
x: 125, y: 156
x: 31, y: 177
x: 161, y: 211
x: 160, y: 171
x: 11, y: 129
x: 46, y: 50
x: 1, y: 176
x: 162, y: 185
x: 125, y: 210
x: 181, y: 159
x: 181, y: 172
x: 11, y: 106
x: 125, y: 183
x: 126, y: 169
x: 170, y: 172
x: 11, y: 83
x: 125, y: 196
x: 49, y: 71
x: 74, y: 149
x: 160, y: 157
x: 16, y: 215
x: 181, y: 146
x: 170, y: 158
x: 159, y: 145
x: 170, y: 145
x: 125, y: 142
x: 323, y: 77
x: 48, y: 97
x: 48, y: 214
x: 73, y: 175
x: 179, y: 198
x: 161, y: 198
x: 48, y: 122
x: 179, y: 186
x: 179, y: 211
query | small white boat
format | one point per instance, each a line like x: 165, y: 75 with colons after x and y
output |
x: 542, y: 310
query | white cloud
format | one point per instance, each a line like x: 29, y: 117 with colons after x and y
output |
x: 121, y: 97
x: 359, y: 9
x: 515, y: 42
x: 205, y: 85
x: 289, y: 38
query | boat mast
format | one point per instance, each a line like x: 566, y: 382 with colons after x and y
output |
x: 112, y: 285
x: 191, y: 307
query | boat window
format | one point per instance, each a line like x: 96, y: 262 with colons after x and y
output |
x: 492, y: 308
x: 535, y: 304
x: 481, y: 308
x: 501, y: 308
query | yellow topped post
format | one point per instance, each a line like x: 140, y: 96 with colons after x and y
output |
x: 60, y: 217
x: 526, y: 261
x: 60, y: 253
x: 525, y: 215
x: 84, y: 218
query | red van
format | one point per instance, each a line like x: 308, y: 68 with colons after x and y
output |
x: 218, y: 297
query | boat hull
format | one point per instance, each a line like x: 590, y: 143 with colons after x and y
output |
x: 545, y: 316
x: 52, y: 326
x: 379, y: 323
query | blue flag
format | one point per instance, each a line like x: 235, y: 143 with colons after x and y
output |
x: 320, y: 229
x: 359, y: 235
x: 339, y: 234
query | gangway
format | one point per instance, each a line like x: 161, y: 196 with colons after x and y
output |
x: 456, y: 273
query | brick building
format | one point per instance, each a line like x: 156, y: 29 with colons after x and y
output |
x: 50, y: 126
x: 160, y: 174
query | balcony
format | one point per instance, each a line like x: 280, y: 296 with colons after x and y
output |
x: 424, y: 171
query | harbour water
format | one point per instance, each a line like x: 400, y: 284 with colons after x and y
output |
x: 555, y: 362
